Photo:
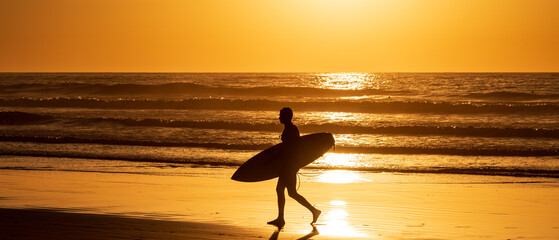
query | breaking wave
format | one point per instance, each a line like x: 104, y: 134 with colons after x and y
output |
x: 341, y: 149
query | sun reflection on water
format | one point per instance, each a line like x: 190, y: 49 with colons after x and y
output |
x: 338, y: 160
x: 347, y: 81
x: 340, y: 116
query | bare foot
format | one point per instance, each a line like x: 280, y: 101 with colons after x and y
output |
x: 278, y: 223
x: 315, y: 214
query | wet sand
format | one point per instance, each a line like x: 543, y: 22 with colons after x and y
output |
x: 205, y: 204
x: 49, y: 224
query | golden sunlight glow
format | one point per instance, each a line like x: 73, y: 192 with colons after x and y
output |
x: 340, y: 176
x: 280, y: 36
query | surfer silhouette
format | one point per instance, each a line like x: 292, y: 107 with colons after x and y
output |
x: 288, y: 174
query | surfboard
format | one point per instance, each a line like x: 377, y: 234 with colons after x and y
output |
x: 266, y: 164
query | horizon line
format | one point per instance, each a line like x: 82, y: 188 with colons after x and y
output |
x: 274, y: 72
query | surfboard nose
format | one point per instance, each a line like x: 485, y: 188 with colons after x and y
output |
x: 332, y: 141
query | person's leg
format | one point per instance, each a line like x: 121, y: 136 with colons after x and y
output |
x: 280, y: 191
x: 290, y: 184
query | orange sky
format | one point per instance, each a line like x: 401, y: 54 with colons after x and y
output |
x: 279, y: 35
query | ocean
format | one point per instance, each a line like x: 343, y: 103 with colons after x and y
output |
x: 504, y: 124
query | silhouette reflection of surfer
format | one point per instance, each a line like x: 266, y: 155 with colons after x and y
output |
x: 288, y: 174
x: 313, y: 233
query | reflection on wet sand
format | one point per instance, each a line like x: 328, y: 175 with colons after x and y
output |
x: 313, y: 233
x: 336, y: 222
x: 333, y: 223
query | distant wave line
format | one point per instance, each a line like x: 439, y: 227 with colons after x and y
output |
x: 187, y: 88
x: 259, y: 104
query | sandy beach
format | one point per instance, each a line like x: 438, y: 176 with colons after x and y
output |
x: 204, y: 203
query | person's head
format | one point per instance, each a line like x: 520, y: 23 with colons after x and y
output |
x: 286, y: 114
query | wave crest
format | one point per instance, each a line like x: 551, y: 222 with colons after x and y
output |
x: 340, y: 149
